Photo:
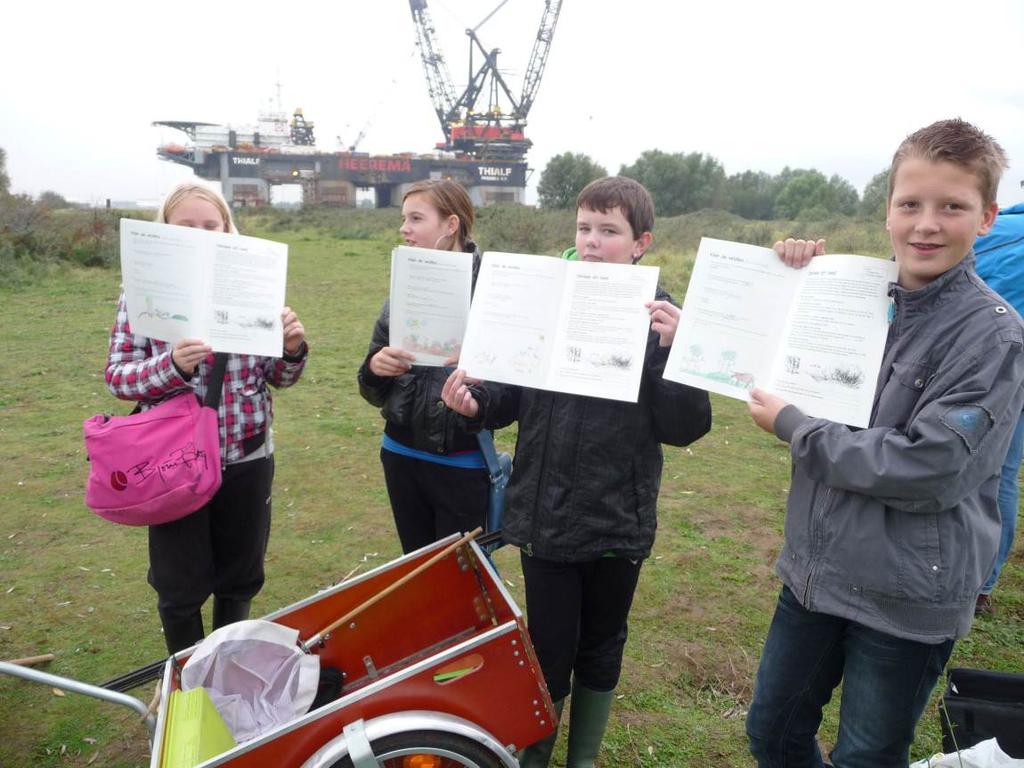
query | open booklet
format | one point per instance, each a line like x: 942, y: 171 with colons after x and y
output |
x: 227, y: 290
x: 813, y: 336
x: 568, y: 326
x: 429, y: 302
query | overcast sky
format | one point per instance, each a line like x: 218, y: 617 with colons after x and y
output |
x: 758, y: 85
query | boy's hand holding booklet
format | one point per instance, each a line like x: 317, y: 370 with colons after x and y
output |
x: 813, y: 336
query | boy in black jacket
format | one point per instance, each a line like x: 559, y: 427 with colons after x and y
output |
x: 581, y: 505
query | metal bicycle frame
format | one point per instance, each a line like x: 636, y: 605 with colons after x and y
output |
x: 76, y: 686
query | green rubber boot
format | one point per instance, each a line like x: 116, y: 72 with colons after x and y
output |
x: 538, y: 755
x: 588, y: 716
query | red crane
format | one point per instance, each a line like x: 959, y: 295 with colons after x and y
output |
x: 488, y: 133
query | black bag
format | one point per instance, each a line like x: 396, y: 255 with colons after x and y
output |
x: 979, y: 704
x: 332, y: 682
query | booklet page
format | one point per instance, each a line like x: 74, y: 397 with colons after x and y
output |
x: 827, y: 364
x: 732, y: 318
x: 512, y: 319
x: 246, y: 294
x: 602, y: 339
x: 160, y: 275
x: 429, y: 303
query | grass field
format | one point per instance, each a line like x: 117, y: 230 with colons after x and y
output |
x: 74, y: 585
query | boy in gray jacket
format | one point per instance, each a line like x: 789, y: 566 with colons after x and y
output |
x: 891, y: 530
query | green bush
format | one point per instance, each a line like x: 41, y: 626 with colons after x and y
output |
x: 522, y: 229
x: 518, y: 229
x: 843, y: 233
x: 36, y: 239
x: 341, y: 223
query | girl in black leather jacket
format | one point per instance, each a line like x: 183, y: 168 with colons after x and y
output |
x: 436, y: 476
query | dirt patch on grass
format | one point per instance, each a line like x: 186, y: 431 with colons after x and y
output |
x: 719, y: 671
x: 751, y: 530
x: 705, y: 607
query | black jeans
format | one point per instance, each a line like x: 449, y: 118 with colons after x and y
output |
x: 577, y: 615
x: 217, y: 550
x: 430, y: 501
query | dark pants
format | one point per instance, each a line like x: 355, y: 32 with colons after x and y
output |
x: 430, y: 500
x: 886, y: 684
x: 1007, y: 501
x: 218, y: 550
x: 577, y: 614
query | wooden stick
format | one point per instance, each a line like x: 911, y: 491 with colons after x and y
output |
x: 154, y: 703
x: 323, y: 633
x: 31, y: 661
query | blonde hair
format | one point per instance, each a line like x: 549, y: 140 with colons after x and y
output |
x: 198, y: 189
x: 450, y: 199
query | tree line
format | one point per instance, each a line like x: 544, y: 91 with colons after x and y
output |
x: 47, y: 230
x: 680, y: 182
x: 684, y: 182
x: 49, y: 199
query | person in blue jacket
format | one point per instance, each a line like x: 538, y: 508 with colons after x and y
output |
x: 1000, y: 263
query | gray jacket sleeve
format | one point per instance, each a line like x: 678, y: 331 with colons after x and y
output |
x: 956, y: 441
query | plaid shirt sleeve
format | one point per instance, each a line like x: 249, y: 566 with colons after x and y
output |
x: 139, y: 368
x: 285, y: 371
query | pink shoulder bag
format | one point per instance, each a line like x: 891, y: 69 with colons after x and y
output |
x: 158, y: 465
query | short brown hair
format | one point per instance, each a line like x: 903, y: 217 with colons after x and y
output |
x: 449, y: 198
x: 629, y: 196
x: 955, y: 141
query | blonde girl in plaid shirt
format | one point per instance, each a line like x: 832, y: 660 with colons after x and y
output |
x: 220, y: 549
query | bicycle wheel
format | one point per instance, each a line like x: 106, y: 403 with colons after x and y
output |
x: 428, y: 749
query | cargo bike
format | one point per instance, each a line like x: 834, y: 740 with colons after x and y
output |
x: 438, y: 672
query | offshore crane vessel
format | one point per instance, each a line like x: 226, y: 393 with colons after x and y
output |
x: 484, y: 146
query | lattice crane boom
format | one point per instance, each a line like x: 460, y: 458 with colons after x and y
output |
x: 539, y: 55
x: 439, y: 81
x: 489, y: 69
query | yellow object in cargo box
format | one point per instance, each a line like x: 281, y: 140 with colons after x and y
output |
x: 195, y: 730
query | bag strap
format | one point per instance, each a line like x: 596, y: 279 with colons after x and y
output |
x: 495, y: 504
x: 486, y: 439
x: 216, y: 383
